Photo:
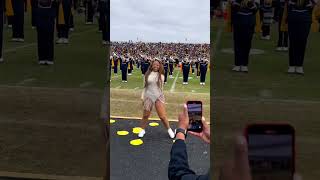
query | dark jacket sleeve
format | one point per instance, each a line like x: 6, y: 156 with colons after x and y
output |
x: 178, y: 165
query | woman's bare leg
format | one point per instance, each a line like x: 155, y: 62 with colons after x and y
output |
x: 144, y: 120
x: 161, y: 110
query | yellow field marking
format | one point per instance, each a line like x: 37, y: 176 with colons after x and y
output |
x: 136, y: 130
x: 153, y: 124
x: 122, y: 133
x: 136, y: 142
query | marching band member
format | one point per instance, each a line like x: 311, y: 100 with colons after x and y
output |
x: 243, y: 19
x: 299, y: 19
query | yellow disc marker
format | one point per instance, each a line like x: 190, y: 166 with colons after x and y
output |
x: 136, y: 130
x: 122, y: 133
x: 153, y: 124
x: 112, y: 121
x: 136, y: 142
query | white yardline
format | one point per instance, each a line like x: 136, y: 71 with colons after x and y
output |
x: 19, y: 47
x: 34, y: 44
x: 86, y: 84
x: 174, y: 82
x: 25, y: 81
x: 136, y: 88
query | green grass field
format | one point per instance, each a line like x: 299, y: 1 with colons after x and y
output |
x: 50, y: 115
x: 125, y: 97
x: 80, y: 64
x: 266, y: 94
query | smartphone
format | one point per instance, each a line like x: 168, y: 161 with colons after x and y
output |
x: 195, y: 116
x: 271, y: 151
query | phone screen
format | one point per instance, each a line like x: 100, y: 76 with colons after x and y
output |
x: 195, y: 115
x: 271, y: 154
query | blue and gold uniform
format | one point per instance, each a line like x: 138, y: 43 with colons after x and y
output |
x: 243, y: 19
x: 63, y: 21
x: 103, y: 7
x: 124, y: 69
x: 46, y: 13
x: 89, y: 5
x: 171, y: 66
x: 165, y: 67
x: 282, y: 35
x: 299, y: 19
x: 18, y: 20
x: 203, y: 71
x: 185, y: 70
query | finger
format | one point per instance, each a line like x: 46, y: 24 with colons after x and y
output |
x: 185, y: 110
x: 297, y: 176
x: 194, y: 133
x: 241, y: 163
x: 204, y: 123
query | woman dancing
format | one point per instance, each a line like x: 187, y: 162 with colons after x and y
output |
x: 152, y: 95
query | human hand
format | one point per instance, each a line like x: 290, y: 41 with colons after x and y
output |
x: 183, y: 118
x: 204, y: 134
x: 239, y: 168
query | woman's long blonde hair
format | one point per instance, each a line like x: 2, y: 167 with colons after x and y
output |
x: 160, y: 72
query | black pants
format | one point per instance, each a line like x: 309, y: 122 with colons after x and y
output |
x: 165, y: 74
x: 298, y: 35
x: 198, y: 69
x: 265, y: 30
x: 170, y: 69
x: 45, y: 44
x: 17, y: 25
x: 203, y: 73
x: 142, y: 68
x: 71, y: 22
x: 124, y: 70
x: 185, y: 74
x: 1, y: 33
x: 89, y: 11
x: 33, y: 16
x: 283, y: 36
x: 115, y: 69
x: 103, y: 22
x: 130, y: 70
x: 242, y: 37
x: 63, y: 29
x: 10, y: 20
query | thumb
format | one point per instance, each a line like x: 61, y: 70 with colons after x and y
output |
x: 185, y: 110
x: 241, y: 163
x: 297, y: 176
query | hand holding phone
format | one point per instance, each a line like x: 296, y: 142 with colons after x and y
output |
x: 204, y: 134
x: 271, y: 151
x: 195, y: 116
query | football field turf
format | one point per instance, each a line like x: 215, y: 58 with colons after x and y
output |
x: 79, y: 64
x: 50, y: 115
x: 266, y: 94
x: 125, y: 97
